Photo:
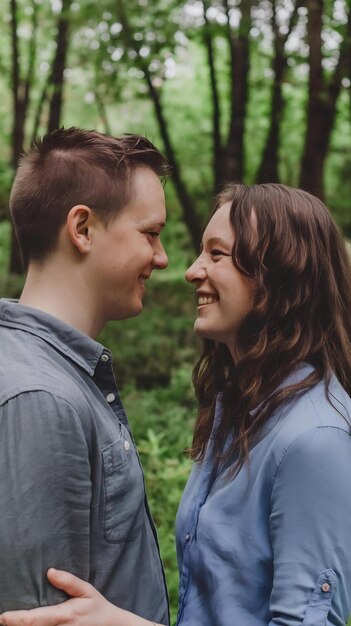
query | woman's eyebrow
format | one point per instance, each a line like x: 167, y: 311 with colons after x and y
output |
x: 217, y: 240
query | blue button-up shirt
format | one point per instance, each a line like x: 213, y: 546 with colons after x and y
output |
x: 273, y: 545
x: 71, y: 486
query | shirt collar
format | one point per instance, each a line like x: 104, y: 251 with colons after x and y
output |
x: 69, y: 341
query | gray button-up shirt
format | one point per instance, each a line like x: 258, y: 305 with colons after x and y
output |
x: 72, y: 492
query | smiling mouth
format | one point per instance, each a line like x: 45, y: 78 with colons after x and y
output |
x: 201, y: 300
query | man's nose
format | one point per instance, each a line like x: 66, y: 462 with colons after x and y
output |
x: 160, y: 257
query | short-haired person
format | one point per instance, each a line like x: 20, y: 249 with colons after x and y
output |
x: 88, y: 211
x: 263, y: 528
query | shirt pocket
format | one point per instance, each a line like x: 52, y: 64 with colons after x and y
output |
x: 124, y: 490
x: 321, y: 599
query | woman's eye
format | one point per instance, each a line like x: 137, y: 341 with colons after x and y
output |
x: 218, y: 253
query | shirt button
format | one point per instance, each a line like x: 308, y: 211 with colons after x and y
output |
x: 104, y: 358
x: 126, y: 445
x: 325, y: 587
x: 110, y: 397
x: 187, y: 537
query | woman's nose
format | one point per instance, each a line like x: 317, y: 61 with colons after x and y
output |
x: 196, y: 271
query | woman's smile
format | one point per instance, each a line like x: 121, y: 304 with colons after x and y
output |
x: 206, y: 298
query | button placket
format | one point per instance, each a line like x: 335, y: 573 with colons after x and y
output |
x: 105, y: 380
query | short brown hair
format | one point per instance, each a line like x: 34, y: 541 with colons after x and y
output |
x: 297, y: 260
x: 73, y: 166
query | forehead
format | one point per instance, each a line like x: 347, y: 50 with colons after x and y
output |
x: 147, y: 202
x: 219, y: 225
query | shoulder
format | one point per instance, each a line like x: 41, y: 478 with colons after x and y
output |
x: 315, y: 435
x: 316, y: 408
x: 43, y: 426
x: 29, y: 364
x: 327, y: 447
x: 39, y: 405
x: 311, y: 427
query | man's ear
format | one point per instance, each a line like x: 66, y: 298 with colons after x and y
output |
x: 79, y: 227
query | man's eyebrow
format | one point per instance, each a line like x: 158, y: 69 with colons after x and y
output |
x: 151, y: 224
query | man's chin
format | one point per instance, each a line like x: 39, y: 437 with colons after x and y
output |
x: 132, y: 312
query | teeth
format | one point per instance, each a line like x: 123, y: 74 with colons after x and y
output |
x: 206, y: 300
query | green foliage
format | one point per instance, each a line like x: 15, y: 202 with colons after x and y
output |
x: 162, y: 421
x: 150, y: 347
x: 106, y: 86
x: 338, y: 168
x: 4, y: 243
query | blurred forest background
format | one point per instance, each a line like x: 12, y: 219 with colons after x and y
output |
x: 245, y: 90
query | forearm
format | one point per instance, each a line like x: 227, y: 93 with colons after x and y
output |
x: 129, y: 619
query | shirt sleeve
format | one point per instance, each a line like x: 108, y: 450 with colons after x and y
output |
x: 45, y: 494
x: 310, y: 531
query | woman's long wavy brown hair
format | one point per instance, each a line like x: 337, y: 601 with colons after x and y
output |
x: 288, y: 245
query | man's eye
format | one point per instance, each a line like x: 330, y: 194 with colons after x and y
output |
x: 153, y: 234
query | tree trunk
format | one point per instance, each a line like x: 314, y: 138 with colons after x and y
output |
x: 311, y: 177
x: 58, y: 68
x: 233, y: 167
x: 17, y: 91
x: 39, y: 110
x: 216, y: 111
x: 100, y: 105
x: 21, y: 97
x: 191, y: 219
x: 268, y: 169
x: 322, y: 102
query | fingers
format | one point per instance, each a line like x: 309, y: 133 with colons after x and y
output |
x: 34, y: 617
x: 14, y: 619
x: 72, y: 585
x: 54, y: 615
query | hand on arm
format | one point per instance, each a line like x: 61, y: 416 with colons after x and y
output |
x: 87, y: 607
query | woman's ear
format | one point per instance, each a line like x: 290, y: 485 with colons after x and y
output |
x: 79, y: 227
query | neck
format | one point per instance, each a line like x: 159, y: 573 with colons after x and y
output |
x: 60, y: 289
